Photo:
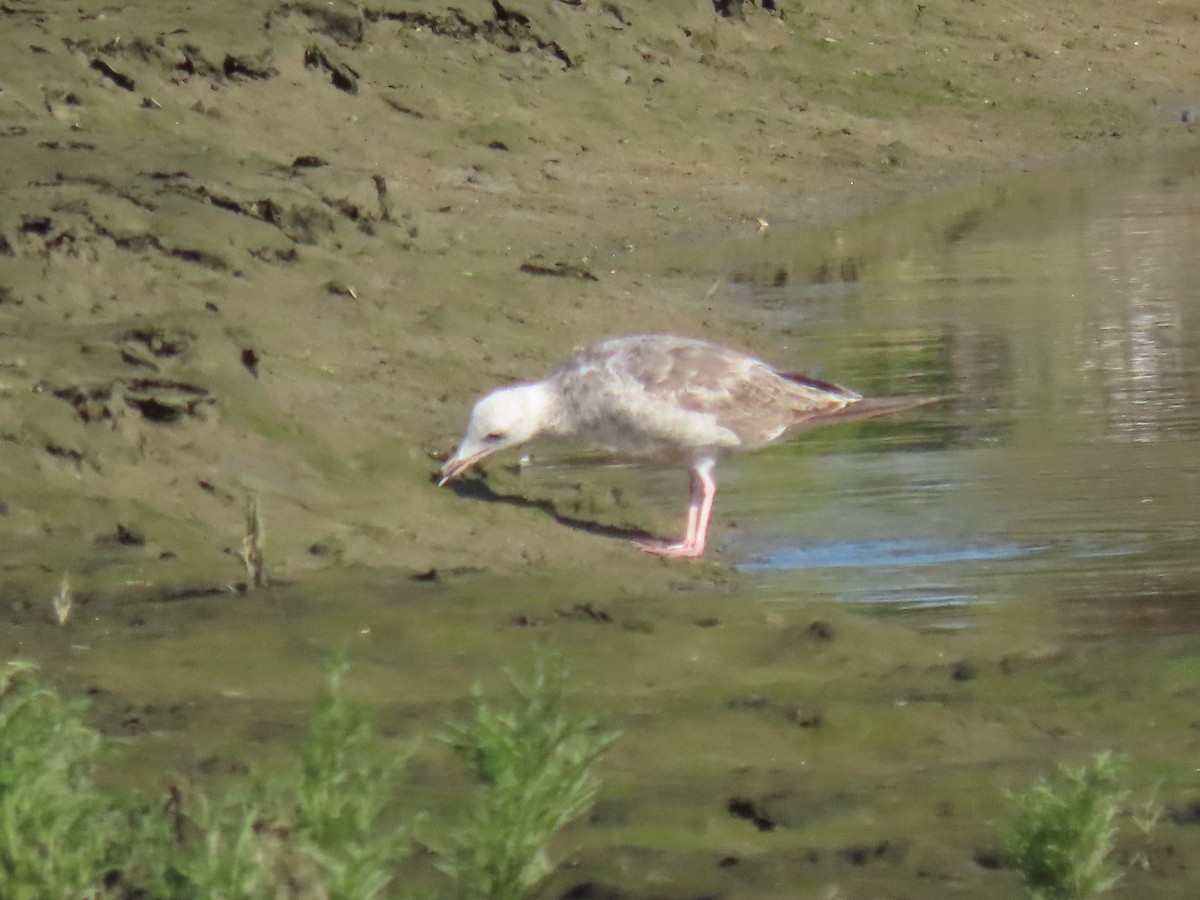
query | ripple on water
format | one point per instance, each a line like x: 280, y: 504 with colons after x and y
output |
x: 886, y: 554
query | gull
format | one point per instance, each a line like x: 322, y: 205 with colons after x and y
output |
x: 661, y: 397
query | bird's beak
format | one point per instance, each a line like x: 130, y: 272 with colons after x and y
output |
x: 458, y: 463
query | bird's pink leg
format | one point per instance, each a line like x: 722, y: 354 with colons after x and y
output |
x: 703, y: 493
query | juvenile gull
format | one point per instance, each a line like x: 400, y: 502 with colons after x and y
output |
x: 666, y: 398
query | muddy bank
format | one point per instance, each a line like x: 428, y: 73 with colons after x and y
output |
x: 276, y: 253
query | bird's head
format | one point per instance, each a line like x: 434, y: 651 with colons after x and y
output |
x: 503, y: 418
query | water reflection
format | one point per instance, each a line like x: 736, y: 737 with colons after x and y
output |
x: 886, y: 554
x: 1143, y: 349
x: 1058, y: 317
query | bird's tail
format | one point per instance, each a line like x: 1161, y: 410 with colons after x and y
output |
x: 867, y: 408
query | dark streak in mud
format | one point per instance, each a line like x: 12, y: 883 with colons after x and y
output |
x: 234, y: 67
x: 120, y: 79
x: 157, y: 342
x: 744, y: 808
x: 584, y: 612
x: 402, y: 108
x: 66, y: 453
x: 342, y: 76
x: 199, y: 257
x: 302, y: 224
x: 124, y: 536
x: 558, y: 270
x: 863, y: 854
x: 39, y: 225
x: 204, y: 592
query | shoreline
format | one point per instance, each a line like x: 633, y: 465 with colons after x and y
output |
x: 280, y: 256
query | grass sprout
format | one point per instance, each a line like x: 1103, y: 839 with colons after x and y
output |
x: 1147, y: 816
x: 253, y: 552
x: 1145, y: 819
x: 63, y: 602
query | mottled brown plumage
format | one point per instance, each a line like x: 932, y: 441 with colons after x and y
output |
x: 670, y: 396
x: 664, y: 397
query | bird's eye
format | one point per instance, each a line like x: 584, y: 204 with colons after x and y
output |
x: 494, y: 437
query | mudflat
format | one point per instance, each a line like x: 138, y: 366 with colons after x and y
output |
x: 276, y: 251
x: 258, y: 260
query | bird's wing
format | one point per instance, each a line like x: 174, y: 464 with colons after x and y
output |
x: 741, y: 395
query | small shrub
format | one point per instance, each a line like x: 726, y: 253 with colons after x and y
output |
x: 228, y: 851
x: 59, y: 835
x: 347, y: 776
x: 536, y: 765
x: 1062, y: 839
x: 313, y: 832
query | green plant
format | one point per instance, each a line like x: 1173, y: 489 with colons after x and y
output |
x: 319, y: 830
x: 59, y: 835
x: 536, y: 765
x: 346, y: 778
x: 1145, y: 819
x: 1062, y: 838
x: 232, y: 852
x: 314, y: 831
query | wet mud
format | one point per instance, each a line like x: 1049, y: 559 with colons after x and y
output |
x: 270, y: 255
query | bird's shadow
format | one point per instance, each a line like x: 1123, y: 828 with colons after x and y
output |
x: 474, y: 487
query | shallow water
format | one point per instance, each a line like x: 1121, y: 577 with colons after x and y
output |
x: 1058, y: 318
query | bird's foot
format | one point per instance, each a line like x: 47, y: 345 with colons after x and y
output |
x: 680, y: 549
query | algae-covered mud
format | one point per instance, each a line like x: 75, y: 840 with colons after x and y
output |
x: 270, y: 254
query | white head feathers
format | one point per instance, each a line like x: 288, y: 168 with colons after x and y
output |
x: 503, y: 418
